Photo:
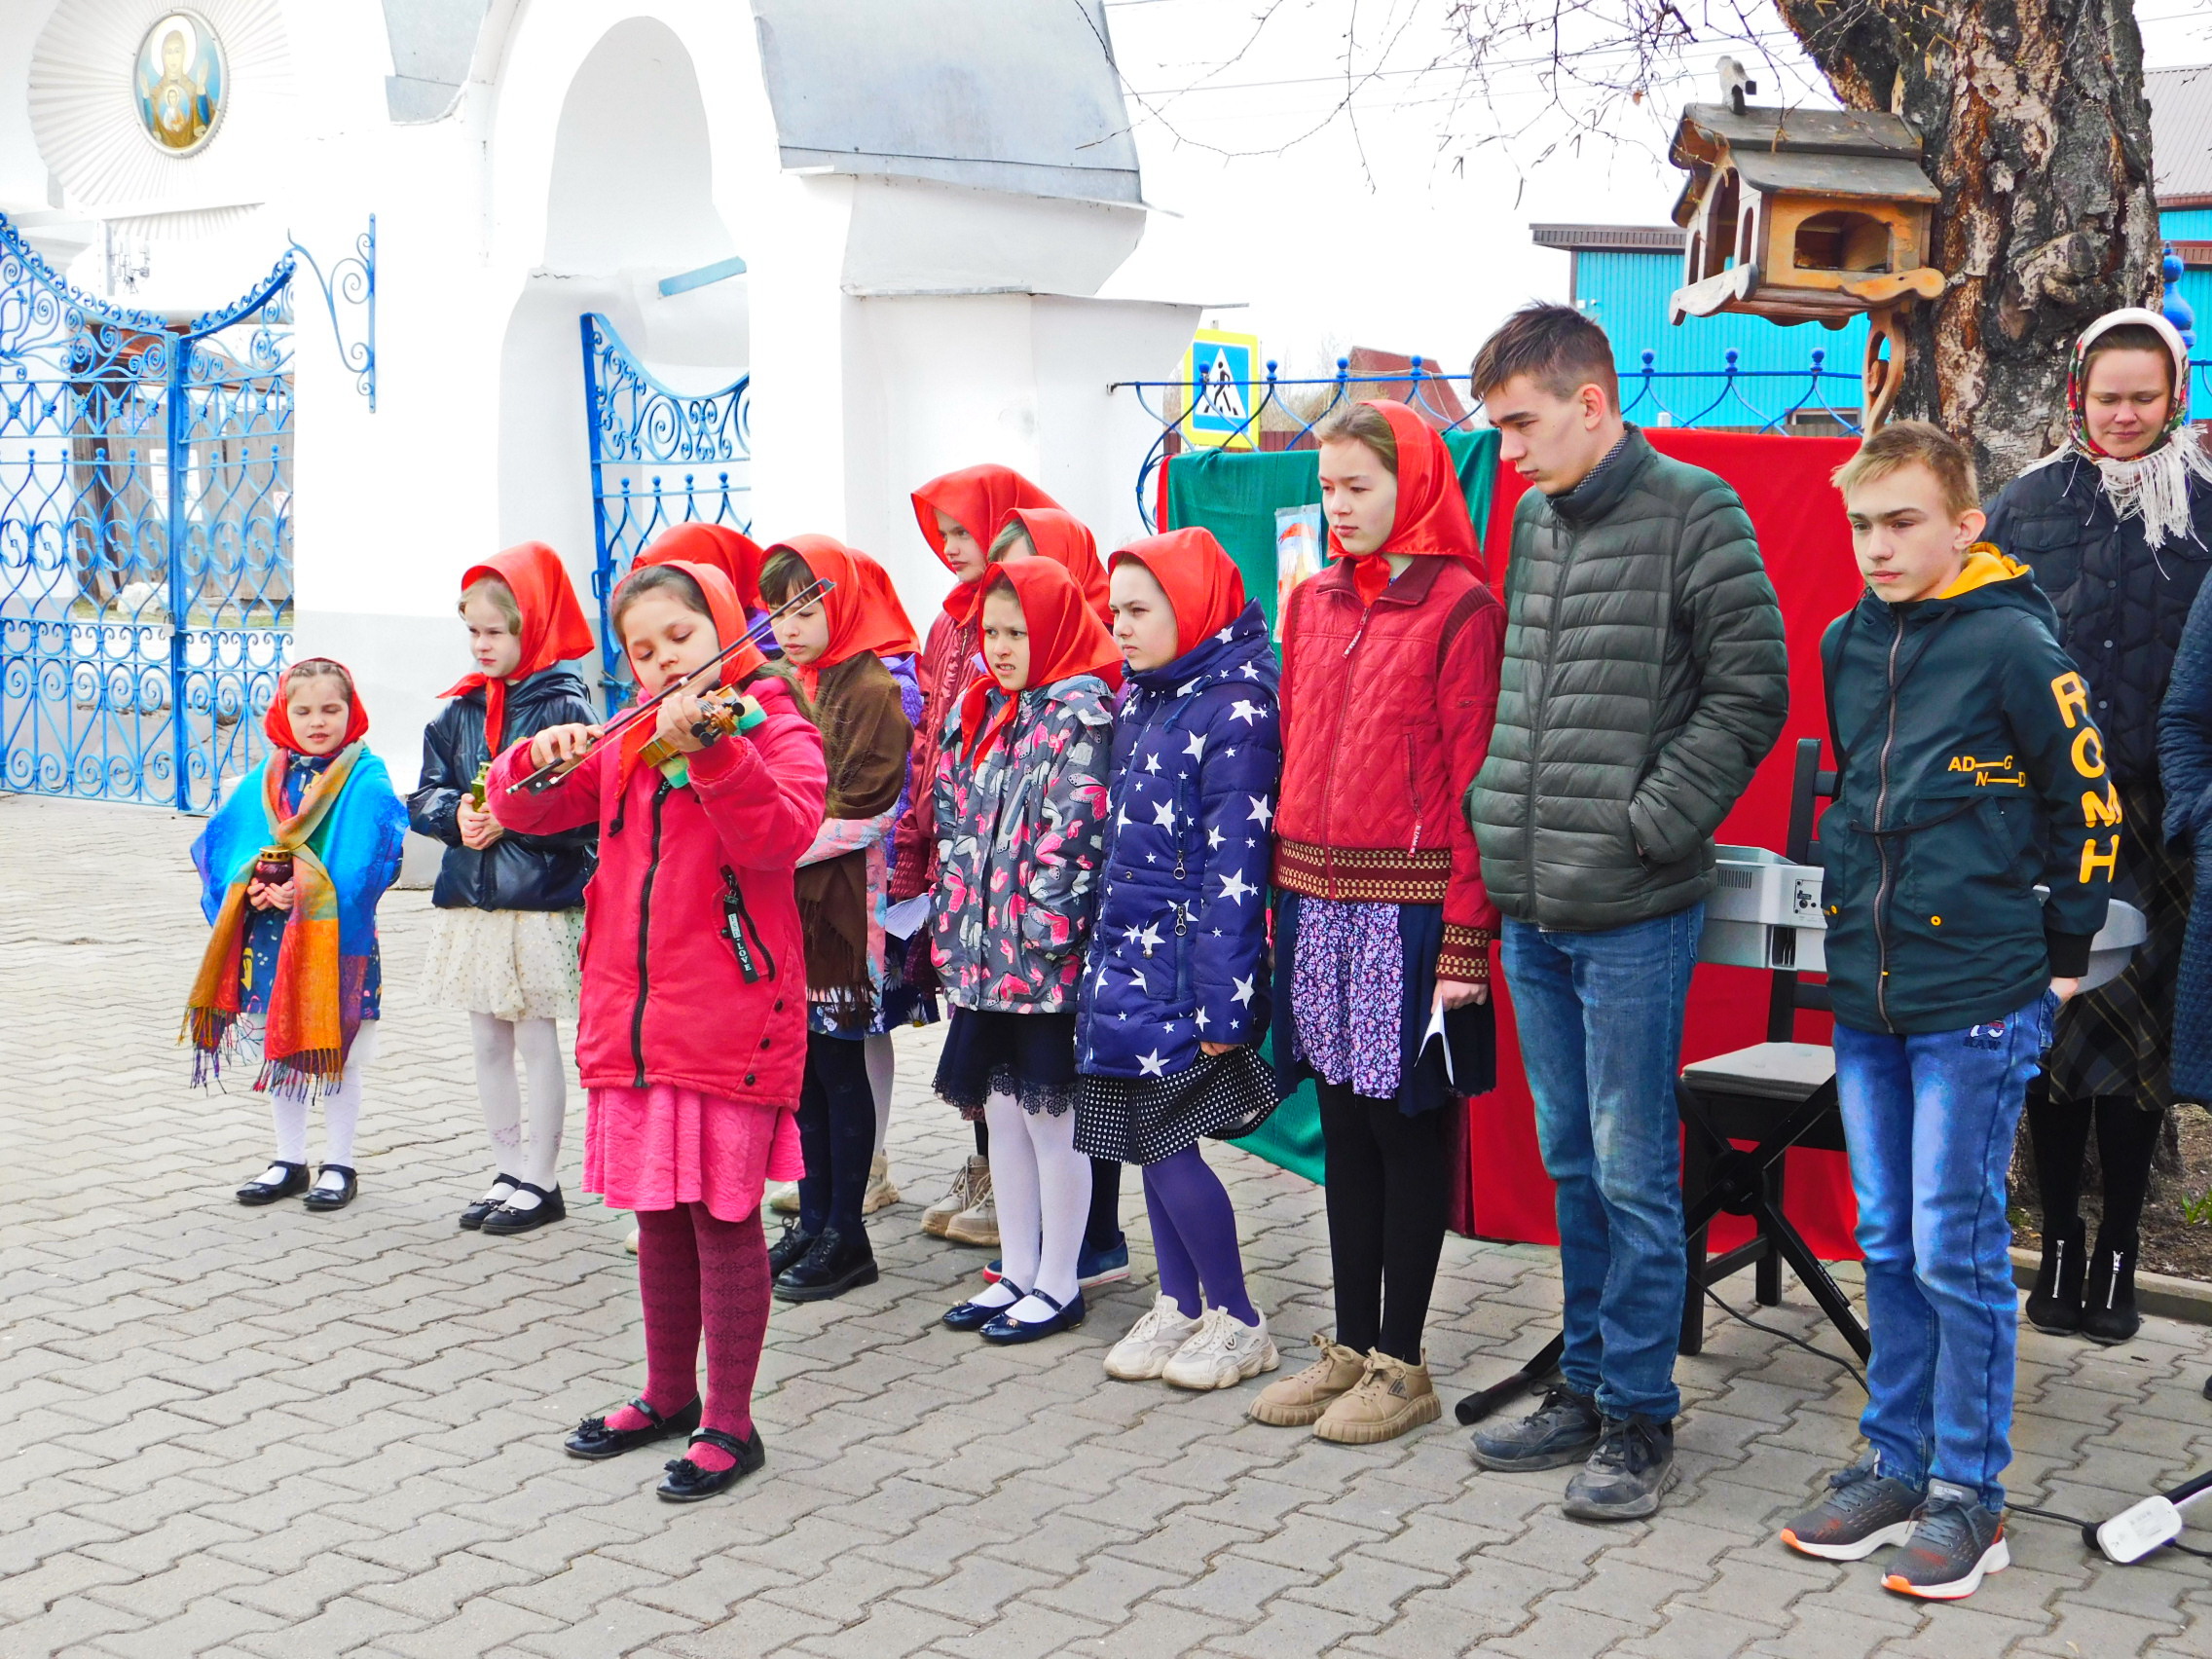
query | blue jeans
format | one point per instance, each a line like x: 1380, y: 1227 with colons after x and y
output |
x: 1600, y: 1021
x: 1930, y: 1123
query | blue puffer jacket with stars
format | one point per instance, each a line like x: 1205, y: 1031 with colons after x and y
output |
x: 1179, y: 952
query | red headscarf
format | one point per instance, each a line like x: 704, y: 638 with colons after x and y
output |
x: 863, y: 610
x: 553, y: 625
x: 1066, y: 640
x: 277, y: 721
x: 736, y: 555
x: 729, y: 613
x: 1432, y: 518
x: 1067, y: 541
x: 980, y: 500
x: 1202, y: 583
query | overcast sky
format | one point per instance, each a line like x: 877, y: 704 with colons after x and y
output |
x: 1391, y: 209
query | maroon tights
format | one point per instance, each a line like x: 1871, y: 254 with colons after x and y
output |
x: 698, y: 1274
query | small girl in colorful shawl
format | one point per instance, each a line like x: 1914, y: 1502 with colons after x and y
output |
x: 292, y: 867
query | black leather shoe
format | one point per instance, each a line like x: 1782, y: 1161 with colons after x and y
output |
x: 2054, y: 1304
x: 337, y: 1200
x: 1006, y: 1330
x: 975, y: 1316
x: 792, y: 1247
x: 473, y: 1216
x: 268, y: 1192
x: 833, y: 1267
x: 594, y: 1440
x: 507, y: 1219
x: 2108, y: 1302
x: 686, y: 1483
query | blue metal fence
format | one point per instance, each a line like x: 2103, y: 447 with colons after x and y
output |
x: 145, y: 537
x: 659, y: 456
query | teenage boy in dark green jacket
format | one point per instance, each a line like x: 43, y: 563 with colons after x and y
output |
x: 1969, y: 773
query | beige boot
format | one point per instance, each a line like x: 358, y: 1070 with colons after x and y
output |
x: 939, y: 1216
x: 784, y: 1201
x: 979, y: 1223
x: 1295, y: 1401
x: 1390, y: 1397
x: 882, y: 1191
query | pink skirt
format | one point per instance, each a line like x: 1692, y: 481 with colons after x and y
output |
x: 654, y: 1148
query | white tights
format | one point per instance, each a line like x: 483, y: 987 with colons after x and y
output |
x: 538, y: 1042
x: 340, y: 1109
x: 882, y: 1070
x: 1042, y: 1186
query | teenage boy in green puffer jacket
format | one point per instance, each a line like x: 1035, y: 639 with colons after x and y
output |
x: 1969, y: 771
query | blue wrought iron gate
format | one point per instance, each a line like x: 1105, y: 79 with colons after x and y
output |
x: 642, y: 432
x: 145, y: 538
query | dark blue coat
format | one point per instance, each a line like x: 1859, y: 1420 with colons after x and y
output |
x: 1179, y: 952
x: 2185, y: 761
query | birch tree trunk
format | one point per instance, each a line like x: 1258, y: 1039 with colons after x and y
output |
x: 2037, y: 133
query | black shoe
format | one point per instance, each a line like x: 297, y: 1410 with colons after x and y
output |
x: 473, y: 1216
x: 2054, y: 1304
x: 2107, y: 1303
x: 594, y: 1440
x: 267, y: 1191
x: 507, y: 1219
x: 686, y: 1483
x: 831, y: 1267
x: 324, y: 1200
x: 1562, y: 1429
x: 792, y: 1247
x: 1632, y: 1464
x: 1006, y: 1330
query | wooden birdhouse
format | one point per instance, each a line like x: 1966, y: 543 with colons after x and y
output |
x: 1806, y: 216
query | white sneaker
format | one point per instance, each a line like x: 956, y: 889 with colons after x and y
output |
x: 1222, y: 1352
x: 1152, y: 1342
x: 786, y: 1200
x: 882, y: 1191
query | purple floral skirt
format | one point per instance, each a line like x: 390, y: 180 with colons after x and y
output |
x: 1346, y: 994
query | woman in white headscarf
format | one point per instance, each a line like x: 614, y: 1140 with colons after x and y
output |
x: 2116, y: 524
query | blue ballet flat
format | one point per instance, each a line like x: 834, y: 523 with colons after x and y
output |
x: 973, y: 1316
x: 1067, y: 1316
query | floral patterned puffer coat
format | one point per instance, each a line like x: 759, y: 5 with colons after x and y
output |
x: 1020, y: 839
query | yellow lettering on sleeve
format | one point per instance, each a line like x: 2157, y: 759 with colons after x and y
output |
x: 2088, y: 752
x: 2101, y: 811
x: 2073, y: 698
x: 2092, y: 860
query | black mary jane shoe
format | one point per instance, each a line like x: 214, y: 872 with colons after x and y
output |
x: 975, y: 1316
x: 473, y: 1216
x: 792, y: 1247
x: 594, y: 1440
x: 686, y: 1483
x: 338, y: 1201
x: 268, y: 1192
x: 507, y: 1219
x: 837, y: 1263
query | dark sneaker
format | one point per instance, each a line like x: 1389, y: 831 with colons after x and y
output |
x: 1632, y: 1464
x: 1562, y: 1429
x: 1865, y: 1511
x: 1954, y: 1542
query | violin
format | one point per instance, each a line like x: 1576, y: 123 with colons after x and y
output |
x: 723, y: 710
x: 755, y: 636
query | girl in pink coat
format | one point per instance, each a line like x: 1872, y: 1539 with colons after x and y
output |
x: 693, y: 1030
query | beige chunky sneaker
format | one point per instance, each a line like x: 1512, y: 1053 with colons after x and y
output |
x: 979, y: 1223
x: 1390, y: 1397
x: 1222, y: 1352
x: 1299, y: 1400
x: 882, y: 1191
x: 1151, y: 1344
x: 786, y: 1200
x: 974, y: 1177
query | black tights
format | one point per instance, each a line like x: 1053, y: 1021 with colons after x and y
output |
x: 2128, y: 1139
x: 1389, y: 1195
x: 836, y: 1131
x: 1102, y: 1229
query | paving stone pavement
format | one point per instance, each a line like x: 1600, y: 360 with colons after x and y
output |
x: 264, y: 1432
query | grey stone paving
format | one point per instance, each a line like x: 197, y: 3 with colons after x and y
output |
x: 272, y: 1433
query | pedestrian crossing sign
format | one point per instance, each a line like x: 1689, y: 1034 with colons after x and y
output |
x: 1219, y: 390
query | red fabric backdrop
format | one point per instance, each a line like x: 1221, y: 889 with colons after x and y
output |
x: 1784, y: 483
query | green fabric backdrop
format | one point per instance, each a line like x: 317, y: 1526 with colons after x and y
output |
x: 1236, y: 495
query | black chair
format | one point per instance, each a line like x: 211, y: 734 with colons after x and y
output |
x: 1776, y: 1094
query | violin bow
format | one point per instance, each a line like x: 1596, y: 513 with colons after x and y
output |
x: 756, y: 635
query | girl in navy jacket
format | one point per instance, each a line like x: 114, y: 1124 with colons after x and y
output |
x: 1175, y: 991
